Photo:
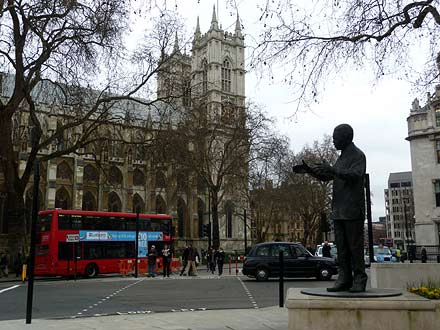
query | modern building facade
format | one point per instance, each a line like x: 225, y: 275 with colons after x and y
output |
x: 424, y: 140
x: 399, y: 205
x: 124, y: 179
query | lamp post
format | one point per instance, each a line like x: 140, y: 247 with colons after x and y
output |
x: 407, y: 241
x: 245, y: 231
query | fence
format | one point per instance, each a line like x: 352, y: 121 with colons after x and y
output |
x: 415, y: 253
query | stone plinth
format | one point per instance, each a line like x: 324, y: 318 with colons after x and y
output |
x: 402, y: 275
x: 405, y: 312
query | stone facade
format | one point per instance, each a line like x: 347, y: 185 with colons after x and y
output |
x: 123, y: 180
x: 424, y: 139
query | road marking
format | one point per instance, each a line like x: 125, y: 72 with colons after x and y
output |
x: 10, y: 288
x: 251, y: 298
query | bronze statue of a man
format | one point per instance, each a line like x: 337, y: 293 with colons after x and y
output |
x: 348, y: 207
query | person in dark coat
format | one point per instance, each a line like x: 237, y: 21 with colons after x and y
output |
x: 326, y: 248
x: 184, y: 259
x: 166, y: 260
x: 18, y: 264
x: 220, y: 259
x: 348, y: 207
x: 4, y: 264
x: 152, y: 255
x: 424, y: 255
x: 210, y: 259
x: 191, y: 267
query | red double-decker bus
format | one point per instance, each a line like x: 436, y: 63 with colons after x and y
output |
x: 71, y: 242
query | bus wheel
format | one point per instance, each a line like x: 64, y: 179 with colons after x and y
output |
x: 91, y: 270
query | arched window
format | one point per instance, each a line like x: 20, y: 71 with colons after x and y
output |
x: 88, y: 201
x: 161, y: 206
x: 115, y: 176
x: 62, y: 199
x: 186, y: 93
x: 226, y: 76
x: 204, y: 76
x: 160, y: 179
x: 138, y: 178
x: 64, y: 171
x: 90, y: 174
x: 138, y: 204
x: 114, y: 202
x: 229, y: 211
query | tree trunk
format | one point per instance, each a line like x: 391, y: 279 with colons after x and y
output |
x: 215, y: 224
x: 15, y: 215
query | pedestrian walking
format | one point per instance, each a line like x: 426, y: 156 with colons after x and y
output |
x: 191, y: 261
x: 220, y: 259
x: 424, y: 255
x: 152, y: 255
x: 18, y: 264
x: 210, y: 259
x: 4, y: 263
x: 184, y: 259
x: 166, y: 260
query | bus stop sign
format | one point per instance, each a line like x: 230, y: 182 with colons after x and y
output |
x: 72, y: 238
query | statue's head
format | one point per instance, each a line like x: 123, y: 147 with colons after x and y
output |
x: 342, y: 136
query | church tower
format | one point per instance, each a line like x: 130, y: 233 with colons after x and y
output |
x: 218, y: 75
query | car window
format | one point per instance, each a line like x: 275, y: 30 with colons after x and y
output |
x: 276, y: 248
x: 263, y: 251
x: 299, y: 251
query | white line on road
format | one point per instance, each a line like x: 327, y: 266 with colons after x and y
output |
x: 10, y: 288
x: 251, y: 298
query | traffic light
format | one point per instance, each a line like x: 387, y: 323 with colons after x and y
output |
x: 206, y: 230
x: 324, y: 225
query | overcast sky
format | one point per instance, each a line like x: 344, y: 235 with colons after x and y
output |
x: 377, y: 110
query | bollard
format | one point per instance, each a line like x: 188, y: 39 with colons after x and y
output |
x: 23, y: 273
x: 281, y: 286
x: 229, y: 266
x: 236, y: 267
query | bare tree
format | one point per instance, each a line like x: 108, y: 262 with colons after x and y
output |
x: 216, y: 150
x: 286, y: 197
x: 318, y: 38
x: 67, y: 59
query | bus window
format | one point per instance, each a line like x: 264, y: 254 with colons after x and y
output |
x: 165, y: 227
x: 65, y: 250
x: 118, y: 249
x: 76, y: 222
x: 155, y: 224
x: 130, y: 223
x: 145, y: 224
x: 44, y: 222
x: 64, y: 222
x: 93, y: 250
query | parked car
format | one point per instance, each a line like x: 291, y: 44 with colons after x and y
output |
x: 262, y: 262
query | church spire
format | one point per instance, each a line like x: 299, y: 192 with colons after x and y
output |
x: 197, y: 33
x: 176, y: 44
x: 214, y: 23
x: 238, y: 27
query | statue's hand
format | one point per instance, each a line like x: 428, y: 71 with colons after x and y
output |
x: 299, y: 169
x: 303, y: 168
x: 323, y: 169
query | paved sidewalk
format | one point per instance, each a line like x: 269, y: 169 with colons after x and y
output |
x: 270, y: 318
